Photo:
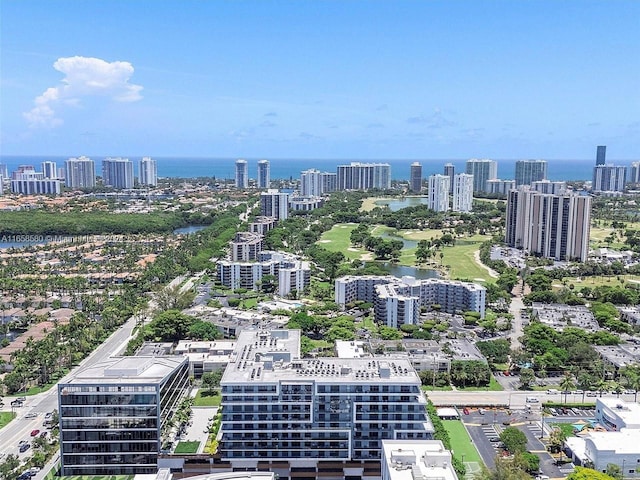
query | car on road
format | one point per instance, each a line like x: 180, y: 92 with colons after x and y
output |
x: 31, y: 415
x: 34, y: 433
x: 33, y: 470
x: 465, y: 410
x: 552, y: 391
x: 592, y: 394
x: 24, y: 447
x: 629, y: 392
x: 494, y: 439
x: 577, y: 392
x: 24, y: 475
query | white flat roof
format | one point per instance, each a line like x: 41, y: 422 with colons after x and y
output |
x: 411, y: 459
x: 624, y: 442
x: 120, y: 370
x: 628, y: 412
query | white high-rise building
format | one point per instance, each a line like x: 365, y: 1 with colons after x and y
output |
x: 1, y: 184
x: 274, y: 203
x: 415, y: 180
x: 634, y: 173
x: 439, y: 193
x: 528, y: 171
x: 264, y: 174
x: 364, y: 176
x: 117, y: 173
x: 148, y: 172
x: 554, y: 226
x: 609, y: 178
x: 547, y: 186
x: 50, y: 170
x: 80, y: 173
x: 242, y: 174
x: 500, y: 187
x: 462, y: 192
x: 482, y: 170
x: 311, y: 183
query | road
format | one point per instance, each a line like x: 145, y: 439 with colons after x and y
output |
x: 20, y: 428
x: 512, y: 399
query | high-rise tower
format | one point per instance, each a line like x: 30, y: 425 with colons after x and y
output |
x: 80, y: 173
x: 482, y: 170
x: 528, y: 171
x: 242, y: 174
x: 601, y: 155
x: 450, y: 171
x: 439, y: 193
x: 415, y: 181
x: 264, y: 174
x: 462, y: 192
x: 148, y: 172
x: 117, y: 173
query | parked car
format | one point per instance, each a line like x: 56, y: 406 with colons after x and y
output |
x: 552, y: 391
x: 34, y: 470
x: 24, y: 447
x: 465, y: 410
x: 592, y: 394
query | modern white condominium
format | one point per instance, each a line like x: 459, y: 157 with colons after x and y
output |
x: 553, y: 226
x: 148, y: 172
x: 438, y: 198
x: 462, y: 192
x: 246, y: 246
x: 117, y: 173
x: 311, y: 183
x: 264, y: 174
x: 482, y: 170
x: 274, y: 203
x: 364, y: 176
x: 50, y: 170
x: 547, y: 186
x: 609, y: 178
x: 398, y: 301
x: 415, y: 179
x: 634, y: 173
x: 26, y: 181
x: 242, y: 174
x: 80, y: 173
x: 326, y: 415
x: 528, y: 171
x: 500, y: 187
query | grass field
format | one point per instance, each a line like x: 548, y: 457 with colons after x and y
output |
x: 338, y: 239
x: 6, y: 417
x: 187, y: 447
x: 493, y: 386
x: 461, y: 442
x: 611, y: 281
x: 461, y: 259
x: 207, y: 399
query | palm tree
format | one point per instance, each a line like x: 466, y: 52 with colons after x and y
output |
x: 567, y: 384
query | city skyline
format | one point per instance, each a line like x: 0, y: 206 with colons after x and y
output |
x: 321, y: 79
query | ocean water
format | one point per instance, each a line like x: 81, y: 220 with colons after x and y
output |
x: 224, y: 168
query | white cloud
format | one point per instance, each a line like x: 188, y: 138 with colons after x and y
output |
x: 84, y: 77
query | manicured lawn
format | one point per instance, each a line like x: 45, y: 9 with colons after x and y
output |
x: 461, y: 259
x: 591, y: 282
x: 428, y: 388
x: 493, y: 386
x: 207, y: 399
x: 249, y: 303
x: 461, y: 442
x: 6, y: 417
x: 370, y: 325
x: 338, y: 239
x: 187, y: 447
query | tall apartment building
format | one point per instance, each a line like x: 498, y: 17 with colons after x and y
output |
x: 4, y: 170
x: 80, y: 173
x: 609, y: 178
x: 26, y: 181
x: 500, y: 187
x: 311, y: 183
x: 326, y: 415
x: 398, y: 301
x: 482, y: 170
x: 113, y: 414
x: 528, y: 171
x: 262, y: 225
x: 450, y: 171
x: 50, y: 170
x: 117, y: 173
x: 329, y: 182
x: 274, y: 203
x: 601, y: 155
x: 246, y: 246
x: 242, y: 174
x: 438, y: 194
x: 547, y: 186
x: 364, y: 176
x: 148, y: 172
x: 554, y: 226
x: 634, y: 173
x: 1, y: 184
x: 462, y: 192
x: 264, y: 174
x: 415, y: 177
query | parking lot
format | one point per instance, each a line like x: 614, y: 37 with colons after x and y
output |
x: 485, y: 425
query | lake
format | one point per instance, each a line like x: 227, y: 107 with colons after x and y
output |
x: 396, y: 204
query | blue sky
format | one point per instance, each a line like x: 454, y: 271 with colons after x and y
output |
x: 321, y: 79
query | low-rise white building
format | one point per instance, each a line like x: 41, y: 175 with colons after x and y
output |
x: 615, y: 414
x: 415, y: 460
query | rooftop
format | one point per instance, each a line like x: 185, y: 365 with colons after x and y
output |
x: 628, y: 412
x: 118, y: 370
x: 417, y: 460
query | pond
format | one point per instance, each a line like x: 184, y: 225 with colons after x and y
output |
x: 407, y: 243
x: 188, y: 230
x: 396, y: 204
